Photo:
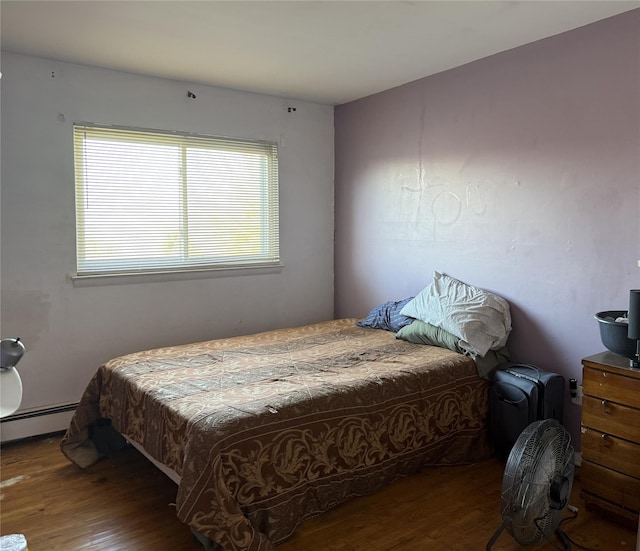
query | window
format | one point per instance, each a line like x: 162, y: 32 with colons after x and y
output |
x: 150, y: 201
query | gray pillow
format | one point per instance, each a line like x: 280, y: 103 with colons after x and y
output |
x: 481, y: 319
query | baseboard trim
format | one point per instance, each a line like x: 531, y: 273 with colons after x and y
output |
x: 37, y: 421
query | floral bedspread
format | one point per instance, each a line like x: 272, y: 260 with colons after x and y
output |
x: 269, y: 429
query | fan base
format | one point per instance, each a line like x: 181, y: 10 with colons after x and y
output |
x: 559, y: 532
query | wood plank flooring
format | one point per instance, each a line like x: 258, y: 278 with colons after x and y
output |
x: 125, y: 504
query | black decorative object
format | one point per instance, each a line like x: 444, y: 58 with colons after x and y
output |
x: 634, y: 325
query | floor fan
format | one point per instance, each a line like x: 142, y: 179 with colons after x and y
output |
x: 537, y: 484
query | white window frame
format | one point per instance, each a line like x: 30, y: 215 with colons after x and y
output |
x: 252, y: 187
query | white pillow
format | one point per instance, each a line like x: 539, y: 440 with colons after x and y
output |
x: 480, y: 319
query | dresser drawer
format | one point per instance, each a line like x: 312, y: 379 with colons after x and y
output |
x: 609, y: 451
x: 618, y: 488
x: 617, y: 388
x: 611, y: 418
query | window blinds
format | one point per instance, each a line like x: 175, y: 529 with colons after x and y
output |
x: 150, y: 201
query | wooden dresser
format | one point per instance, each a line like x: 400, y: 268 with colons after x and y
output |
x: 610, y: 472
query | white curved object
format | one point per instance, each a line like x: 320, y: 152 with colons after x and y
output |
x: 10, y: 391
x: 13, y: 542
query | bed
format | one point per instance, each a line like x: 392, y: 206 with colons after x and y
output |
x: 264, y: 431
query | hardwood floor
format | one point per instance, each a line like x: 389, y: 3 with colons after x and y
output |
x: 125, y: 503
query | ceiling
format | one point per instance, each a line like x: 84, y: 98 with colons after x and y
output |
x: 329, y: 52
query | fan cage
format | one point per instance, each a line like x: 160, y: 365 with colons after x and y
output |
x: 542, y: 452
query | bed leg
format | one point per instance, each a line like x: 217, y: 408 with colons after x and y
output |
x: 208, y: 544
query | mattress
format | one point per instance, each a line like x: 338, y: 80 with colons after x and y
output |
x: 266, y: 430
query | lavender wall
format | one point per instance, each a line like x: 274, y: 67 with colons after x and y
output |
x: 519, y: 173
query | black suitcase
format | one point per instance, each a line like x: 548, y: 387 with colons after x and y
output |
x: 520, y: 395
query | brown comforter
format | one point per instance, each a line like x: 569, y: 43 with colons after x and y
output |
x: 269, y: 429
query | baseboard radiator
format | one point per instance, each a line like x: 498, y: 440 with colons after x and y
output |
x: 37, y: 421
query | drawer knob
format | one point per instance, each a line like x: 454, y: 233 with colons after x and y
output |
x: 606, y: 441
x: 605, y: 407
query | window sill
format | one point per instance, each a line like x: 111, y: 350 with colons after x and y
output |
x: 177, y: 275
